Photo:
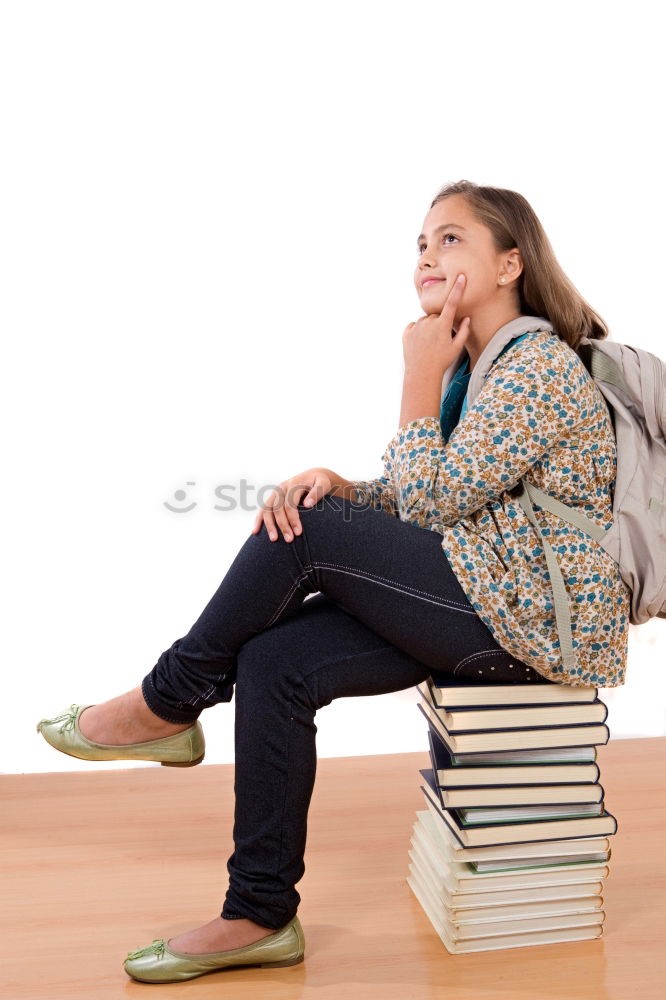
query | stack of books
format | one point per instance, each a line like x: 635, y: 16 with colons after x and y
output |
x: 514, y: 845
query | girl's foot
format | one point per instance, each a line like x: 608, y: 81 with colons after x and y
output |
x: 126, y: 719
x: 219, y: 935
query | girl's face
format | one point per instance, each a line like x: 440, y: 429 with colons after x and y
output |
x: 453, y: 241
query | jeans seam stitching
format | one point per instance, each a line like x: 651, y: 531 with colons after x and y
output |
x: 454, y: 606
x: 210, y: 690
x: 301, y: 577
x: 375, y: 576
x: 484, y: 652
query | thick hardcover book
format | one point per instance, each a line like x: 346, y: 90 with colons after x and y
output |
x: 516, y: 739
x: 540, y: 852
x: 523, y: 797
x: 479, y: 815
x: 464, y: 876
x: 546, y: 755
x: 468, y: 718
x: 461, y: 876
x: 451, y: 691
x: 522, y: 781
x: 457, y: 891
x: 457, y: 880
x: 487, y: 834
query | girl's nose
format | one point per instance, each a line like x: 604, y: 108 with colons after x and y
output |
x: 423, y: 270
x: 426, y: 257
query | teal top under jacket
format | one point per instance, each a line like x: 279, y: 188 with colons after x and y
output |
x: 454, y: 400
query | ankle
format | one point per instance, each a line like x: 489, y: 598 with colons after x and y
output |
x: 138, y: 712
x: 219, y: 935
x: 126, y: 719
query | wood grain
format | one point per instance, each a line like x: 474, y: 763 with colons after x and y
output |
x: 96, y: 864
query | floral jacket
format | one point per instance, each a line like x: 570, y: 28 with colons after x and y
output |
x: 538, y: 414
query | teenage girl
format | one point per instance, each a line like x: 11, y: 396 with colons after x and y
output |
x: 347, y: 587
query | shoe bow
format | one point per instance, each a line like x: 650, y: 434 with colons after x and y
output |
x: 67, y: 718
x: 156, y: 948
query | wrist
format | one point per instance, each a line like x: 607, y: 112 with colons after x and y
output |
x: 336, y: 480
x: 424, y: 376
x: 421, y: 397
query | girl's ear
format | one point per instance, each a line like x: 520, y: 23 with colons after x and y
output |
x: 511, y: 268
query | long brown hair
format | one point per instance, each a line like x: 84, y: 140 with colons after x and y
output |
x: 543, y: 287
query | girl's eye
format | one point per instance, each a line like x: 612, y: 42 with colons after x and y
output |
x: 421, y: 246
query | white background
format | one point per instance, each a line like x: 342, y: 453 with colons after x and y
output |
x: 209, y: 214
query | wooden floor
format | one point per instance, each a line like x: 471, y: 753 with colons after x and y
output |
x: 96, y: 864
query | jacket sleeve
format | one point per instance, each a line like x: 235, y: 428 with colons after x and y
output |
x: 530, y: 400
x: 378, y: 493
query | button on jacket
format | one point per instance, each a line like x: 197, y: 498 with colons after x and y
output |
x: 539, y: 414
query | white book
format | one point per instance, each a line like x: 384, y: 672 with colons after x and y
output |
x: 463, y: 932
x: 502, y: 896
x: 451, y: 868
x: 514, y: 905
x: 525, y: 911
x: 495, y: 942
x: 456, y: 877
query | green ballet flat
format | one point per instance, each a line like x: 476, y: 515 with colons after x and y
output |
x: 159, y: 964
x: 180, y: 750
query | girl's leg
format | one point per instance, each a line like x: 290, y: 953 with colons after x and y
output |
x: 389, y: 612
x: 391, y: 575
x: 284, y: 675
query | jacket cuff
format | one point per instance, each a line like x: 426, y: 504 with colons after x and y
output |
x: 377, y: 493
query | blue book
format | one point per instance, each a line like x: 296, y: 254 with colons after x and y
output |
x: 451, y: 773
x: 471, y: 834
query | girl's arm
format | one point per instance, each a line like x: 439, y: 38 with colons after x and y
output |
x: 378, y: 493
x: 429, y: 346
x: 529, y: 401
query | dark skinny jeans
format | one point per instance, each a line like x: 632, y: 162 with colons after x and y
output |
x: 387, y: 612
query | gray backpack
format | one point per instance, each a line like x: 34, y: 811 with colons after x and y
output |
x: 633, y: 383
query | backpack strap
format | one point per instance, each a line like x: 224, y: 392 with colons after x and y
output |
x: 527, y: 494
x: 511, y: 330
x: 563, y: 510
x: 600, y: 366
